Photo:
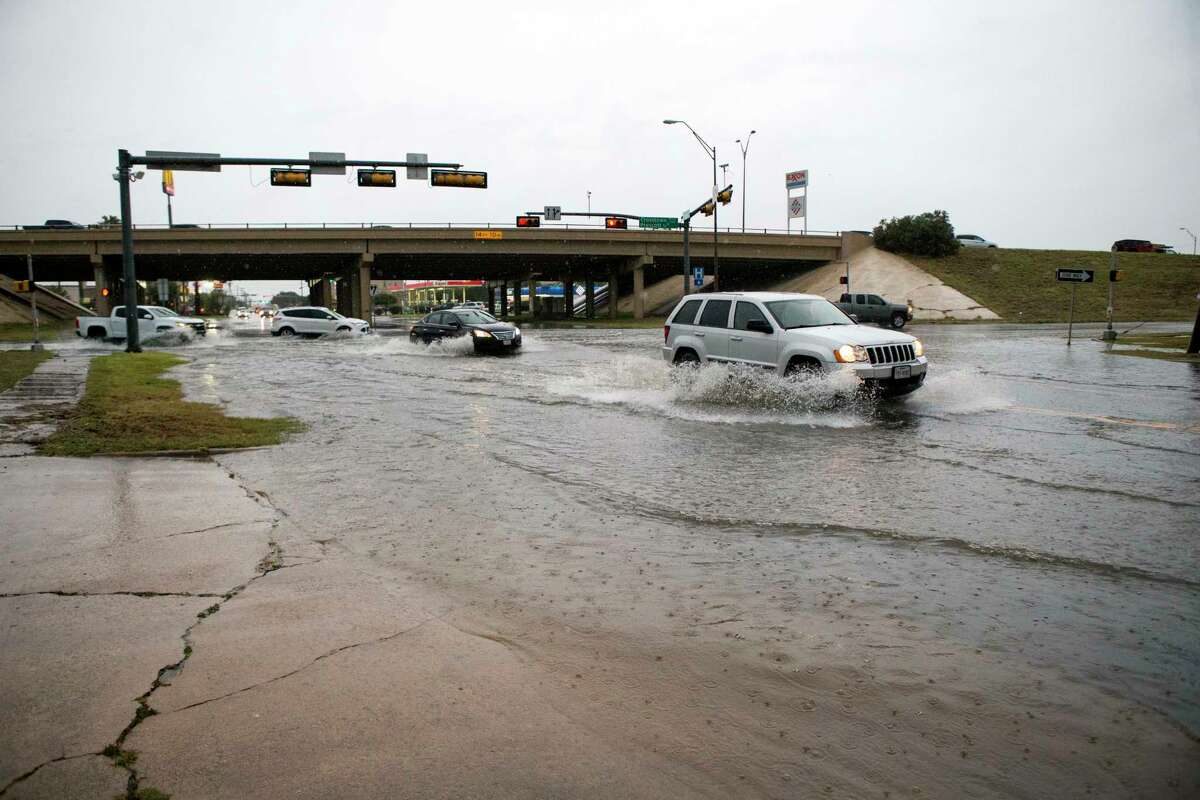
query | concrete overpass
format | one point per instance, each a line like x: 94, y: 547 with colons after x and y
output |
x: 354, y: 256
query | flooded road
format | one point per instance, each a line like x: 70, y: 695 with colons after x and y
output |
x: 999, y: 573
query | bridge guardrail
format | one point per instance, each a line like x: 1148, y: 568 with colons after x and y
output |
x: 395, y: 225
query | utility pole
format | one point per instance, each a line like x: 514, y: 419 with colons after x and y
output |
x: 37, y: 345
x: 745, y: 148
x: 132, y: 345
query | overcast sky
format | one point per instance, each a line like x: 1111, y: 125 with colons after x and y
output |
x: 1035, y: 124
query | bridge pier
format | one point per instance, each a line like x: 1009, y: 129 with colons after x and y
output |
x: 320, y: 293
x: 533, y: 301
x: 360, y: 287
x: 589, y: 296
x: 101, y: 303
x: 639, y: 265
x: 613, y: 293
x: 504, y: 298
x: 568, y: 285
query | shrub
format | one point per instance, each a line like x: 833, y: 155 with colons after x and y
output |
x: 928, y: 234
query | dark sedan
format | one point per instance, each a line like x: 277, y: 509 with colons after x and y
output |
x: 487, y: 333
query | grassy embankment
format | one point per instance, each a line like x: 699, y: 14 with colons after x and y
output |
x: 1166, y: 346
x: 1019, y: 285
x: 16, y: 364
x: 128, y: 408
x: 49, y: 330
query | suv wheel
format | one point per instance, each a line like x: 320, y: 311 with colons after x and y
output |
x: 803, y: 366
x: 687, y: 358
x: 286, y: 332
x: 898, y: 320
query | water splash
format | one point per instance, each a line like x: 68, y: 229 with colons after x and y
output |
x: 720, y: 393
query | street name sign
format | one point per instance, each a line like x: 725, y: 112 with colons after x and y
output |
x: 182, y: 164
x: 489, y: 234
x: 658, y: 222
x: 1075, y: 275
x: 797, y: 179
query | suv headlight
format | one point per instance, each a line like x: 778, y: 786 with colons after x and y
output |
x: 516, y: 331
x: 849, y: 353
x: 183, y: 324
x: 918, y: 348
x: 480, y: 333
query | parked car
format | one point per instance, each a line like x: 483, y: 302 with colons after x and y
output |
x: 971, y: 240
x: 315, y: 321
x: 487, y: 333
x: 873, y: 308
x: 791, y: 333
x: 472, y: 304
x: 1133, y: 246
x: 152, y: 321
x: 55, y: 224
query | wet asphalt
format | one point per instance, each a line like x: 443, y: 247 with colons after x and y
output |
x: 1032, y: 500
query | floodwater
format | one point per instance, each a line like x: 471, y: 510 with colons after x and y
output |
x: 1015, y: 544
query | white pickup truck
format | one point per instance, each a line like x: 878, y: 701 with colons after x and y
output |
x: 152, y: 321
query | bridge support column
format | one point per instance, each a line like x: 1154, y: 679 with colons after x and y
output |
x: 344, y: 296
x: 101, y: 303
x: 491, y: 290
x: 361, y: 302
x: 504, y: 298
x: 613, y: 292
x: 320, y: 293
x: 589, y: 296
x: 639, y: 265
x: 534, y: 305
x: 569, y: 297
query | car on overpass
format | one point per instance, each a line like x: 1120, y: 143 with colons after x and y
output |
x: 313, y: 321
x: 487, y: 333
x: 971, y: 240
x: 793, y: 334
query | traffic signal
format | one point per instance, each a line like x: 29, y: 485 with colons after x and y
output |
x: 1115, y: 275
x: 377, y: 177
x: 104, y: 292
x: 462, y: 180
x: 291, y: 177
x: 725, y: 195
x: 707, y: 209
x: 22, y: 287
x: 616, y: 223
x: 529, y: 222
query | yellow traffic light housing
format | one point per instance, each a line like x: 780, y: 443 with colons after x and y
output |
x: 291, y: 177
x: 1115, y: 275
x: 725, y: 195
x: 616, y: 223
x: 377, y: 177
x: 707, y: 209
x: 22, y: 287
x: 458, y: 179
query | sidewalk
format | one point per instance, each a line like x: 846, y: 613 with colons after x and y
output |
x: 31, y: 410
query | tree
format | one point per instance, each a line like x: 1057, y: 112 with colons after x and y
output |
x: 109, y: 221
x: 288, y: 300
x: 928, y: 234
x: 387, y: 300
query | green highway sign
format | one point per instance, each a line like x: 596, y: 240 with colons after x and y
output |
x: 658, y: 222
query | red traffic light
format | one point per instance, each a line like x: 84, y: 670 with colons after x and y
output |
x: 529, y: 222
x: 616, y: 223
x: 104, y: 292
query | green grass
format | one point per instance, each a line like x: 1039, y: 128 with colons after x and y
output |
x: 1019, y: 285
x: 128, y: 408
x: 1171, y: 347
x: 49, y: 330
x: 16, y: 364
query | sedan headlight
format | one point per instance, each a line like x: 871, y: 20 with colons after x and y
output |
x: 516, y: 331
x: 849, y: 353
x: 918, y: 348
x: 480, y: 333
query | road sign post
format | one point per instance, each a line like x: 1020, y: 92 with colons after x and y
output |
x: 1073, y: 277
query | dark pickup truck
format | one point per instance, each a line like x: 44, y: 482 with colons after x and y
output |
x: 873, y: 308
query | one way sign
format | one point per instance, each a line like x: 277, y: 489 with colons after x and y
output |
x: 1075, y: 275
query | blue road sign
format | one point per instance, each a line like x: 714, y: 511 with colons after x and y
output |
x: 697, y: 276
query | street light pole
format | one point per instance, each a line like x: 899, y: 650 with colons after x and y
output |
x: 711, y: 152
x: 745, y: 148
x: 589, y: 201
x: 1189, y: 233
x: 132, y: 345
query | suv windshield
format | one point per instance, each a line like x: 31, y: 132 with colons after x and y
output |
x: 807, y: 313
x: 470, y: 316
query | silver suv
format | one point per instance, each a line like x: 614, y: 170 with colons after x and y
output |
x: 791, y: 333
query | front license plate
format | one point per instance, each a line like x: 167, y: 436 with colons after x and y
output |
x: 902, y: 372
x: 507, y: 343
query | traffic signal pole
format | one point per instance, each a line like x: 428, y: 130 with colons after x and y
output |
x: 206, y: 163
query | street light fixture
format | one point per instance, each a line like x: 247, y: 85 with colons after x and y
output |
x: 1189, y: 233
x: 711, y: 152
x: 745, y: 148
x: 589, y: 201
x: 724, y: 167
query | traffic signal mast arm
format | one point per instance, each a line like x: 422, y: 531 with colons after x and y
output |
x: 724, y: 196
x: 183, y: 162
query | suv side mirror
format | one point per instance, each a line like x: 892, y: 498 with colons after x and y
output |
x: 759, y: 326
x: 853, y: 318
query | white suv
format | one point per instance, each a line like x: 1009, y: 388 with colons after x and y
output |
x: 315, y: 321
x: 791, y: 333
